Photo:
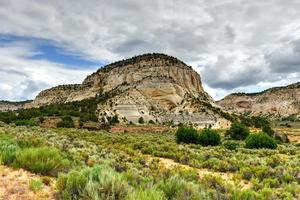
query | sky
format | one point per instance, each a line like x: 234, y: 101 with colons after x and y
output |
x: 235, y: 45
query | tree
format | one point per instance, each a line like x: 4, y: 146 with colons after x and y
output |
x: 186, y: 134
x: 238, y: 131
x: 141, y: 120
x: 260, y: 140
x: 67, y: 122
x: 209, y: 137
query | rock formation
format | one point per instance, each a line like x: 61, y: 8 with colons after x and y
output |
x: 276, y: 102
x: 153, y: 86
x: 7, y: 105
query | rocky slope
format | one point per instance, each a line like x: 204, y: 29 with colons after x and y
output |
x: 153, y: 86
x: 7, y: 105
x: 278, y: 101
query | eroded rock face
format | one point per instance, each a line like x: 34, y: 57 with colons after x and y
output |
x: 281, y: 101
x: 153, y: 86
x: 6, y: 105
x: 148, y: 73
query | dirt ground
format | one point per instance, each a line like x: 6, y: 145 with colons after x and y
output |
x: 14, y: 185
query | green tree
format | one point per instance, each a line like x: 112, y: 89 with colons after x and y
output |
x: 260, y: 140
x: 209, y: 137
x: 141, y: 120
x: 238, y: 131
x: 186, y: 134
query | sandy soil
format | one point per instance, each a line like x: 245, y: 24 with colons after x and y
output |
x: 14, y: 185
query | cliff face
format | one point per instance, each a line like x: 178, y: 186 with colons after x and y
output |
x: 7, y: 105
x: 279, y: 101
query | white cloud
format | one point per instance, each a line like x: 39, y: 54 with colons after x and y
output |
x: 23, y: 78
x: 239, y: 44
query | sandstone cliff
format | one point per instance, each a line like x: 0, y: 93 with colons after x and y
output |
x: 153, y: 86
x: 7, y: 105
x: 277, y: 102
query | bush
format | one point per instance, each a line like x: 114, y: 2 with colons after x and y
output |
x: 268, y: 130
x: 8, y: 150
x: 35, y: 185
x: 41, y: 160
x: 187, y: 135
x: 148, y: 194
x: 209, y: 137
x: 230, y: 145
x: 260, y: 140
x: 67, y: 122
x: 99, y: 182
x: 72, y: 185
x: 238, y: 131
x: 25, y: 123
x: 141, y: 120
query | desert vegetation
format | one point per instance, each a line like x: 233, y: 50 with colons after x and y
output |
x: 102, y: 165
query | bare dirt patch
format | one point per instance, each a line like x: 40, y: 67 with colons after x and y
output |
x: 14, y: 185
x: 294, y: 138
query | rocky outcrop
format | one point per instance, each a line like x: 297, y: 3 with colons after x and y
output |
x: 153, y: 86
x: 7, y: 105
x: 277, y: 102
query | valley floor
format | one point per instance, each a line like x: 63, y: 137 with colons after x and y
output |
x: 156, y: 162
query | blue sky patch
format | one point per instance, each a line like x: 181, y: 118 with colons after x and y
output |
x: 51, y: 51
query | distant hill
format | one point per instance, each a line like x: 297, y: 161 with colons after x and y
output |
x: 277, y: 101
x: 154, y: 87
x: 8, y: 105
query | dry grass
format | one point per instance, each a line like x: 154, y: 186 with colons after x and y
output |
x: 14, y: 185
x: 227, y: 177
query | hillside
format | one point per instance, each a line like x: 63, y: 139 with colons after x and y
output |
x: 154, y: 87
x: 7, y: 105
x: 277, y: 101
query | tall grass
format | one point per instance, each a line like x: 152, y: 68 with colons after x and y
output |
x: 41, y: 160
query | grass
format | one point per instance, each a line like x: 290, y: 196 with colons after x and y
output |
x: 35, y: 185
x: 272, y: 174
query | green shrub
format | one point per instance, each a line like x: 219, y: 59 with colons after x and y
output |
x: 41, y: 160
x: 186, y: 134
x: 172, y: 186
x: 67, y: 122
x: 231, y: 145
x: 35, y: 185
x: 148, y: 194
x: 8, y: 150
x: 99, y: 182
x: 151, y: 121
x: 260, y: 140
x: 25, y: 123
x: 141, y: 120
x: 176, y: 187
x: 238, y: 131
x: 268, y: 130
x: 209, y: 137
x: 72, y: 185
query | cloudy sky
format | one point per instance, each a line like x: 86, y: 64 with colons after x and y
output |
x: 236, y: 45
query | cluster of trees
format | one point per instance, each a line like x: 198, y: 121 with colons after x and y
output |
x: 237, y: 131
x: 264, y: 139
x: 84, y: 109
x: 187, y: 134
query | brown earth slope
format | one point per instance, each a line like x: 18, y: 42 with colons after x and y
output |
x: 278, y: 101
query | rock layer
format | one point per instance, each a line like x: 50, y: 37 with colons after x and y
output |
x: 153, y: 86
x: 278, y: 101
